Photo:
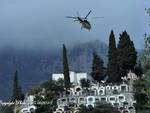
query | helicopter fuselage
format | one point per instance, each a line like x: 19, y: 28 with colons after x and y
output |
x: 84, y: 23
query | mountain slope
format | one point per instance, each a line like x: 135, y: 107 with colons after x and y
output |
x: 36, y: 66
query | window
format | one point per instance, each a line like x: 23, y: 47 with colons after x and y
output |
x: 116, y: 104
x: 81, y: 99
x: 121, y: 108
x: 67, y: 93
x: 125, y: 103
x: 131, y: 107
x: 115, y: 87
x: 71, y: 104
x: 103, y: 99
x: 60, y: 109
x: 90, y: 99
x: 123, y: 88
x: 63, y: 100
x: 92, y: 92
x: 25, y: 111
x: 121, y: 97
x: 31, y: 110
x: 107, y: 87
x: 125, y: 111
x: 72, y: 99
x: 90, y: 106
x: 97, y: 100
x: 112, y: 99
x: 115, y: 91
x: 57, y: 112
x: 101, y: 91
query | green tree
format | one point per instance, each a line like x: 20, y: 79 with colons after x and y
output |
x: 141, y: 95
x: 127, y: 54
x: 97, y: 68
x: 50, y: 90
x: 139, y: 69
x: 8, y: 109
x: 66, y: 68
x: 112, y: 67
x: 146, y: 55
x: 142, y: 86
x: 85, y: 83
x: 17, y: 91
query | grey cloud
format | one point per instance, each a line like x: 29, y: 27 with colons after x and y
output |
x: 42, y: 23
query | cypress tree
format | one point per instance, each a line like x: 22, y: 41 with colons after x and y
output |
x: 17, y: 91
x: 127, y: 54
x: 97, y: 68
x: 15, y: 86
x: 112, y: 59
x: 66, y: 68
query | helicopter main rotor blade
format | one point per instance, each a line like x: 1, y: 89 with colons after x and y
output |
x: 71, y: 17
x: 97, y: 17
x: 77, y: 14
x: 88, y: 14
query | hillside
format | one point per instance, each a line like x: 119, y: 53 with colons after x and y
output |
x: 37, y: 66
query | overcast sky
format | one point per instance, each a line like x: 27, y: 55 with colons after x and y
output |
x: 42, y: 23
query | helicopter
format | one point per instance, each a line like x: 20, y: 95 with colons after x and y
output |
x: 83, y: 21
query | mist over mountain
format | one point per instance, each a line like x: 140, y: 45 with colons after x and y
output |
x: 36, y: 66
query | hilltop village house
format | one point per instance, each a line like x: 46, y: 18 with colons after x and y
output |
x: 74, y: 77
x: 118, y: 95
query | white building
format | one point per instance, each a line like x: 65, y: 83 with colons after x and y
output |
x: 74, y: 77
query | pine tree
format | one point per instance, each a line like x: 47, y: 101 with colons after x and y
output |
x: 127, y: 54
x: 97, y: 68
x: 112, y: 67
x: 66, y: 68
x: 17, y: 91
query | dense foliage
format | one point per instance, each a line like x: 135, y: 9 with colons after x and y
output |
x: 122, y: 58
x: 47, y: 92
x: 127, y: 55
x: 138, y: 70
x: 100, y: 108
x: 17, y: 95
x: 8, y: 109
x: 142, y: 86
x: 97, y: 68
